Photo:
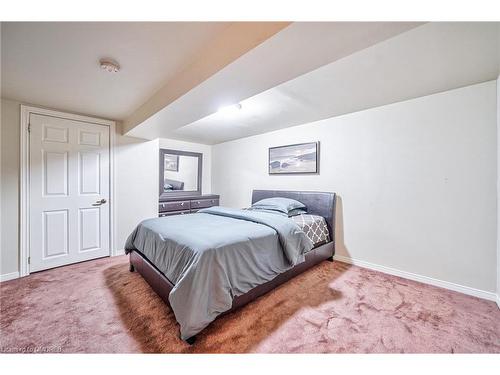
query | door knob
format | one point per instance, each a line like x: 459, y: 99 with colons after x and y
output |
x: 99, y: 202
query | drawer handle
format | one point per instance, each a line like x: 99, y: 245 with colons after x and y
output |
x: 198, y: 202
x: 182, y: 204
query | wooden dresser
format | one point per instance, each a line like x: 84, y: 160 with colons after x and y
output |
x: 186, y: 205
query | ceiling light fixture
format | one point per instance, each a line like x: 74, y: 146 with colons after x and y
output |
x: 230, y: 109
x: 109, y: 65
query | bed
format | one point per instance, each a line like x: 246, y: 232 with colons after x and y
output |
x: 244, y: 255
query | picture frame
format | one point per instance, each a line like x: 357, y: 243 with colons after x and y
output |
x: 171, y: 162
x: 300, y: 158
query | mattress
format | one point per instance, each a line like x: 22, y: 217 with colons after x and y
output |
x: 314, y: 227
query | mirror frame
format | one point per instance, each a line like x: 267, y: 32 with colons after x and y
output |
x: 180, y: 193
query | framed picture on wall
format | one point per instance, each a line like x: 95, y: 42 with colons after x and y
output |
x: 294, y: 159
x: 171, y: 162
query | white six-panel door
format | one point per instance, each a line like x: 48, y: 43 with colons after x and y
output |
x: 69, y: 191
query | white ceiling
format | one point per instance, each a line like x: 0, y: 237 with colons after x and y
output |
x: 293, y: 51
x: 237, y: 40
x: 56, y: 64
x: 284, y: 75
x: 430, y: 58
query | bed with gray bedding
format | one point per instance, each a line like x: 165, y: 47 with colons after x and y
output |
x: 217, y: 255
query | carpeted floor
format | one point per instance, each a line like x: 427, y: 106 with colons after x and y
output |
x: 99, y: 306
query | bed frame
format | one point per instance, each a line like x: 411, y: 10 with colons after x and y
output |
x: 317, y: 203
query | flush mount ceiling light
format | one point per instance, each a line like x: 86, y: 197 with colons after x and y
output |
x: 230, y: 109
x: 109, y: 65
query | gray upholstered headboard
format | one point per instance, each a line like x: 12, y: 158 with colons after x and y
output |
x: 176, y: 185
x: 317, y: 203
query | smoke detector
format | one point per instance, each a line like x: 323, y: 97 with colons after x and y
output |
x: 109, y: 65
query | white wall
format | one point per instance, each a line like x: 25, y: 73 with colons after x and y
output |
x: 417, y: 182
x: 136, y: 184
x: 9, y: 246
x: 498, y: 190
x: 0, y: 182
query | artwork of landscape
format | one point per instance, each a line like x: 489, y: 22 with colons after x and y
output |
x: 300, y: 158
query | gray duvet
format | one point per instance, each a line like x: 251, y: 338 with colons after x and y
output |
x: 215, y: 255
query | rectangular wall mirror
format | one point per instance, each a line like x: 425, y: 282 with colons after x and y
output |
x: 180, y: 173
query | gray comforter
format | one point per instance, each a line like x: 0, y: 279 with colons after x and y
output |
x: 215, y: 255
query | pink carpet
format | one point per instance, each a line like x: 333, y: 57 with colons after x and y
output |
x: 100, y: 307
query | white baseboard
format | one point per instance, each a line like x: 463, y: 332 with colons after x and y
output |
x: 9, y: 276
x: 15, y: 275
x: 498, y: 300
x: 423, y: 279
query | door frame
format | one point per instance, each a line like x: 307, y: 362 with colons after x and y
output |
x: 24, y: 199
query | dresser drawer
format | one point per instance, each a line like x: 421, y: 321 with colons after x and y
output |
x: 174, y: 206
x: 170, y: 213
x: 203, y: 203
